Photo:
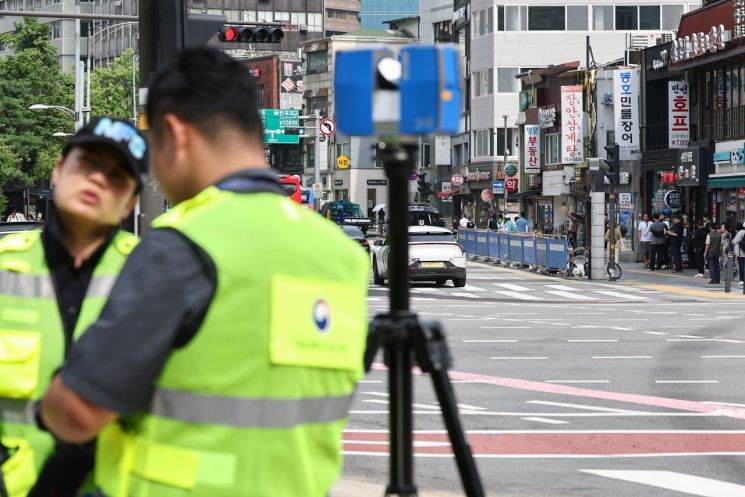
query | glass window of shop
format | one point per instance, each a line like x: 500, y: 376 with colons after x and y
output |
x: 723, y: 102
x: 730, y: 205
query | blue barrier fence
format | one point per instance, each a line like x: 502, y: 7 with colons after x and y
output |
x: 533, y: 250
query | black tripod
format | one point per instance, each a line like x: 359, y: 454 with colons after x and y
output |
x: 406, y: 340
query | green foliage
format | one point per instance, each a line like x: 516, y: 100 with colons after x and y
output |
x: 111, y: 87
x: 31, y: 76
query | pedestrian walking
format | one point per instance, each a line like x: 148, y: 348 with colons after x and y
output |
x: 39, y: 217
x: 657, y: 231
x: 54, y: 283
x: 228, y: 353
x: 15, y: 216
x: 698, y: 243
x: 463, y: 221
x: 726, y: 231
x: 712, y: 252
x: 493, y: 222
x: 645, y: 236
x: 738, y: 247
x: 676, y: 243
x: 521, y: 224
x: 666, y: 250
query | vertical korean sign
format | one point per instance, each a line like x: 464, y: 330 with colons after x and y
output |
x: 571, y: 125
x: 532, y: 149
x: 678, y: 119
x: 626, y: 108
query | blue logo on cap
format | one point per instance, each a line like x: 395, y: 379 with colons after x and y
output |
x: 122, y: 132
x: 321, y: 315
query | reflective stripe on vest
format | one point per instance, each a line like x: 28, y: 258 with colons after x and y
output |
x: 40, y: 286
x: 17, y: 411
x: 245, y: 412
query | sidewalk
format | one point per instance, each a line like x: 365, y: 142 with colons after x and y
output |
x: 683, y: 283
x: 355, y: 488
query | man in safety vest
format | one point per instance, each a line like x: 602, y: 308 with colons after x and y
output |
x: 225, y: 361
x: 53, y: 284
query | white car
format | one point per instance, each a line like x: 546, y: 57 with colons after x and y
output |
x: 434, y: 255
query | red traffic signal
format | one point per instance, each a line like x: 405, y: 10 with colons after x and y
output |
x: 252, y: 34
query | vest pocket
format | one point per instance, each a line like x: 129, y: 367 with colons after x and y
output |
x: 19, y: 471
x: 20, y: 352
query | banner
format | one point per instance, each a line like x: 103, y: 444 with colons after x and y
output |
x: 532, y: 149
x: 571, y: 125
x: 626, y: 108
x: 678, y: 118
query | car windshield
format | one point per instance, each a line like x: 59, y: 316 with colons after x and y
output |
x: 289, y: 188
x: 346, y: 209
x: 420, y: 218
x: 353, y: 231
x: 431, y: 237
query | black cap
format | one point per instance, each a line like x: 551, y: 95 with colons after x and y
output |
x: 119, y: 134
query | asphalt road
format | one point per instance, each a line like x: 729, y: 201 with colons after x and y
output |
x: 571, y: 388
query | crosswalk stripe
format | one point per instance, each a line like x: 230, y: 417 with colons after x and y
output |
x: 563, y: 287
x: 510, y: 286
x: 471, y: 288
x: 620, y: 295
x: 517, y: 295
x: 671, y: 480
x: 465, y: 294
x: 575, y: 296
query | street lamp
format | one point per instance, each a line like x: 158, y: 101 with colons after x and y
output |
x: 70, y: 112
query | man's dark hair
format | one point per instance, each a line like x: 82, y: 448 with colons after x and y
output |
x: 676, y: 216
x: 208, y: 89
x: 738, y: 226
x: 712, y: 225
x: 522, y: 214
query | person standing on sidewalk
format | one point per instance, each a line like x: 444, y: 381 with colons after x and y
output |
x: 726, y: 232
x: 698, y: 242
x: 676, y: 243
x: 645, y: 236
x: 738, y: 243
x: 657, y: 246
x: 712, y: 251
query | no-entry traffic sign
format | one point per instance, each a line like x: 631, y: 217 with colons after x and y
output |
x: 327, y: 126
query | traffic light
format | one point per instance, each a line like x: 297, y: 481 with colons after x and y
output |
x: 613, y: 158
x: 251, y: 34
x: 423, y: 187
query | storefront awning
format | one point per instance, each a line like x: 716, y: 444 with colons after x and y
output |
x: 519, y: 196
x: 731, y: 182
x: 448, y: 193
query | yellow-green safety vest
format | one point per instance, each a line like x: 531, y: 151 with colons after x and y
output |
x: 32, y: 343
x: 255, y: 403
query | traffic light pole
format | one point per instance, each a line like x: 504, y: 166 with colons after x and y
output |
x: 612, y: 231
x: 317, y: 156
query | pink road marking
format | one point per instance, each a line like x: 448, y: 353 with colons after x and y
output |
x: 562, y: 443
x: 537, y: 386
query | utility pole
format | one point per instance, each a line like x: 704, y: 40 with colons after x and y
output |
x: 504, y: 164
x: 317, y: 155
x: 614, y: 166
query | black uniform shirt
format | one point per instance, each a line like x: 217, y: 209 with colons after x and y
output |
x: 157, y: 304
x: 70, y: 283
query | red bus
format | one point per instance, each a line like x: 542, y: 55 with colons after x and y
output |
x: 292, y: 187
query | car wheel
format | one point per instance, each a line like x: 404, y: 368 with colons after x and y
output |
x: 376, y: 276
x: 440, y: 282
x: 459, y: 282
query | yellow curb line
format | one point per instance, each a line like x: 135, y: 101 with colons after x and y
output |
x: 694, y: 293
x: 659, y: 272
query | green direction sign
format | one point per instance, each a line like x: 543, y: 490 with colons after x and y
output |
x: 510, y: 170
x: 275, y: 122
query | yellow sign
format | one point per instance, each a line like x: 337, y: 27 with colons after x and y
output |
x: 342, y: 162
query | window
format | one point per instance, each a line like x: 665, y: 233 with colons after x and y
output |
x: 627, y: 18
x: 671, y: 16
x: 602, y: 17
x: 425, y: 155
x: 511, y: 135
x: 318, y: 103
x: 55, y: 29
x: 51, y: 2
x: 610, y: 138
x: 649, y: 17
x: 298, y: 19
x: 482, y: 142
x: 506, y: 81
x: 443, y: 31
x: 577, y: 18
x: 552, y: 148
x: 265, y: 16
x: 315, y: 22
x: 483, y: 82
x: 344, y: 149
x: 546, y: 18
x: 232, y: 15
x: 260, y: 94
x: 281, y: 16
x: 317, y: 62
x: 85, y: 28
x: 500, y: 18
x: 483, y: 22
x: 249, y: 15
x: 516, y: 18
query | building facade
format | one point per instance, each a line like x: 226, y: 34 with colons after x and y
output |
x: 375, y: 13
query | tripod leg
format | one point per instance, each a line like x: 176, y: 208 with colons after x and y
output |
x: 401, y: 422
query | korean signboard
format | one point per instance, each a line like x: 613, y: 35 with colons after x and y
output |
x: 547, y: 117
x: 626, y: 108
x: 532, y: 148
x: 571, y: 125
x: 678, y: 118
x: 739, y: 16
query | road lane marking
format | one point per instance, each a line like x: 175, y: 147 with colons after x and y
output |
x: 510, y: 286
x: 504, y: 327
x: 489, y: 341
x: 722, y: 356
x: 517, y: 295
x: 569, y: 295
x: 465, y: 294
x: 585, y: 313
x: 656, y: 333
x: 576, y: 381
x: 628, y: 319
x: 590, y: 340
x: 686, y: 381
x: 622, y: 357
x: 471, y: 288
x: 521, y: 358
x: 370, y: 381
x: 620, y: 295
x: 468, y: 407
x: 582, y: 407
x: 563, y: 288
x: 671, y: 480
x: 546, y: 420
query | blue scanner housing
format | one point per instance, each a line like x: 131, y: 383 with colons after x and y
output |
x: 429, y: 91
